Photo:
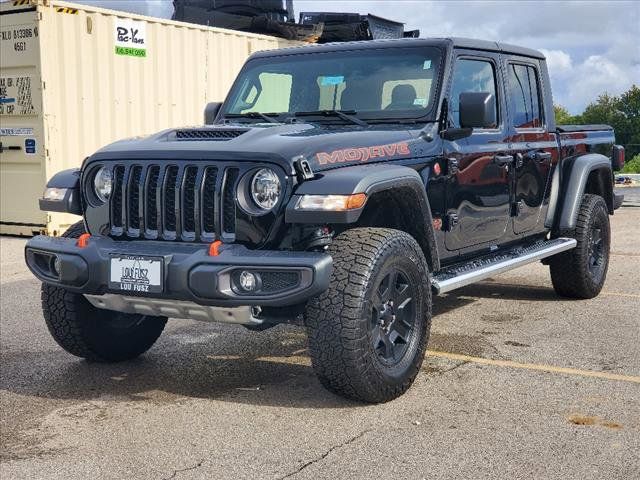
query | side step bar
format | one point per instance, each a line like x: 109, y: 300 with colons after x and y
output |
x: 460, y: 275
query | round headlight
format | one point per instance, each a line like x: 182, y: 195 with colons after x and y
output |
x: 265, y: 188
x: 103, y: 184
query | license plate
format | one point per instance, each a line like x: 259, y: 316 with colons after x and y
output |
x: 136, y: 274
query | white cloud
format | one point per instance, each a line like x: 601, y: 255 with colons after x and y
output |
x: 558, y: 61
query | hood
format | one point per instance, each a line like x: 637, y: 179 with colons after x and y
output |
x: 323, y: 146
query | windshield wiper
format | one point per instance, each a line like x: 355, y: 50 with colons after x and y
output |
x: 263, y: 116
x: 343, y: 114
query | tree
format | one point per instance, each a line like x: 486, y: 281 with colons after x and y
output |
x: 563, y: 117
x: 622, y: 113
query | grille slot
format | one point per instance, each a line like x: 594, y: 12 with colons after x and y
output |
x: 161, y: 200
x: 229, y: 204
x: 151, y: 205
x: 169, y: 192
x: 208, y: 208
x: 116, y: 201
x: 134, y: 191
x: 189, y: 203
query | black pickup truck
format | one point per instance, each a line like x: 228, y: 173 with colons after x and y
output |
x: 338, y: 186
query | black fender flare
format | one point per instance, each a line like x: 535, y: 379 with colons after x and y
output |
x: 70, y: 203
x: 565, y: 200
x: 368, y: 179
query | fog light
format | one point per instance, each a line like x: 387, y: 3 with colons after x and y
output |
x: 248, y: 281
x: 57, y: 267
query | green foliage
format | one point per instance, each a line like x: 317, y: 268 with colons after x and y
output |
x: 632, y: 166
x: 623, y: 114
x: 563, y: 117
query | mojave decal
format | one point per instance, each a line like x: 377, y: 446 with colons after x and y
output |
x: 363, y: 154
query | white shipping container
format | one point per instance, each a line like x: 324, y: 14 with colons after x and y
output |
x: 74, y: 78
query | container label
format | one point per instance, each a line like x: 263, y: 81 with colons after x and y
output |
x: 30, y: 146
x: 15, y: 96
x: 19, y: 38
x: 16, y: 132
x: 130, y: 38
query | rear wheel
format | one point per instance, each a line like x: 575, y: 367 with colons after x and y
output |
x: 368, y: 332
x: 92, y: 333
x: 581, y: 272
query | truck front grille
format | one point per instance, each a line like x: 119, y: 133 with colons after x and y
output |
x: 194, y: 203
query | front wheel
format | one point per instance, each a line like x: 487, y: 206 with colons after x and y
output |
x: 581, y: 272
x: 93, y: 333
x: 368, y: 332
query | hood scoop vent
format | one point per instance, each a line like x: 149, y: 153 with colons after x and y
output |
x: 209, y: 134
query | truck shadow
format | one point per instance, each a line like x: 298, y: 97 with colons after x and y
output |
x: 509, y: 291
x: 223, y: 362
x: 192, y: 360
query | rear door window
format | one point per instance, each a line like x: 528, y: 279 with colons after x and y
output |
x: 524, y: 96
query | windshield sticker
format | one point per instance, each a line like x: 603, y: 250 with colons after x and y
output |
x: 427, y: 65
x: 420, y: 101
x: 363, y: 154
x: 337, y: 80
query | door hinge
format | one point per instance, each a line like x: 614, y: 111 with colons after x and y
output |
x: 450, y: 221
x: 519, y: 160
x: 517, y: 208
x: 303, y: 168
x: 452, y: 166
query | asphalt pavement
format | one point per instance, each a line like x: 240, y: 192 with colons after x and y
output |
x: 518, y: 383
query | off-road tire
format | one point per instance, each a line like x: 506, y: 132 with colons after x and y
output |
x: 92, y: 333
x: 571, y: 274
x: 339, y: 321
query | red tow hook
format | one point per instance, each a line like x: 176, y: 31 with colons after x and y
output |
x: 214, y: 248
x: 83, y: 240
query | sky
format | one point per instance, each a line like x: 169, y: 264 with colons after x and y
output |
x: 592, y: 47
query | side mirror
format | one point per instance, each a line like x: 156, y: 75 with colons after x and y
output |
x: 211, y: 112
x: 477, y: 110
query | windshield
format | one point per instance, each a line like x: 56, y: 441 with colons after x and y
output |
x: 373, y: 83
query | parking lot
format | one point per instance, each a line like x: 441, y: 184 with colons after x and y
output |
x: 518, y: 383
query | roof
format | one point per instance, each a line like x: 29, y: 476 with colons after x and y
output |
x: 467, y: 43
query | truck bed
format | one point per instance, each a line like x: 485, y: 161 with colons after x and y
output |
x: 579, y: 139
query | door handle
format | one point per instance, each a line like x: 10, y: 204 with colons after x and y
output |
x: 542, y: 156
x: 539, y: 156
x: 502, y: 160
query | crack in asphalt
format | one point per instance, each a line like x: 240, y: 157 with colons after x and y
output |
x: 326, y: 454
x: 180, y: 470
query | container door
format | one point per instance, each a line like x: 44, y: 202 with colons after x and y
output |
x: 21, y: 127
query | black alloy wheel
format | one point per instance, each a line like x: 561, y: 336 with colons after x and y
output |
x: 393, y: 316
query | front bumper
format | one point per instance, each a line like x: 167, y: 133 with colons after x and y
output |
x: 190, y: 274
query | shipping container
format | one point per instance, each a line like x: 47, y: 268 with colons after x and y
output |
x: 74, y: 78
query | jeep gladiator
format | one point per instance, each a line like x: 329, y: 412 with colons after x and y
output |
x: 339, y: 187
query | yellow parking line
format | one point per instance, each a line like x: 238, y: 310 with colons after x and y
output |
x: 617, y: 294
x: 534, y: 366
x: 305, y: 360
